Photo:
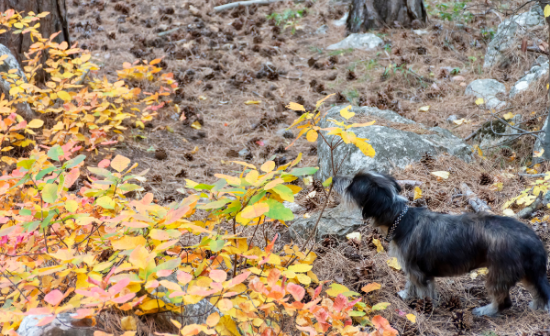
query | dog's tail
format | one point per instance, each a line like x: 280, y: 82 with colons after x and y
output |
x: 544, y: 291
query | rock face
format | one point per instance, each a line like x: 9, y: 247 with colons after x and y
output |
x: 394, y: 146
x: 63, y: 325
x: 196, y: 313
x: 366, y: 41
x: 509, y: 32
x: 488, y: 90
x: 496, y: 133
x: 11, y: 63
x: 537, y: 71
x: 337, y: 222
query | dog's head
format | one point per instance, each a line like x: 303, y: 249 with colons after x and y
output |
x: 377, y: 195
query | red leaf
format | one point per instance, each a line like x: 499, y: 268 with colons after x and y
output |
x: 273, y: 276
x: 83, y: 313
x: 104, y: 163
x: 54, y: 297
x: 296, y: 291
x: 238, y: 279
x: 317, y: 291
x: 174, y: 215
x: 340, y: 302
x: 124, y: 298
x: 218, y: 275
x: 310, y: 330
x: 119, y: 286
x: 183, y: 277
x: 164, y: 273
x: 46, y: 320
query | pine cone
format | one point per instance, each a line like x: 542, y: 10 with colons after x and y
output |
x: 507, y: 152
x: 428, y: 161
x: 410, y: 330
x: 422, y: 306
x: 453, y: 303
x: 486, y: 179
x: 487, y: 197
x: 318, y: 186
x: 463, y: 320
x: 329, y: 242
x: 365, y: 270
x: 160, y: 154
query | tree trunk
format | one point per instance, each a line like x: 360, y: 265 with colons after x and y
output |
x: 55, y: 22
x: 372, y: 14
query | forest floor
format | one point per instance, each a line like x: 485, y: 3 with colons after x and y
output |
x: 224, y: 61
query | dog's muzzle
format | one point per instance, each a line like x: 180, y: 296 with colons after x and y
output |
x: 341, y: 183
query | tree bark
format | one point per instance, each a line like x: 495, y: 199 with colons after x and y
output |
x: 55, y: 22
x: 373, y: 14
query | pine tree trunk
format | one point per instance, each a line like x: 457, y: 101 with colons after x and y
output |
x: 55, y: 22
x: 373, y: 14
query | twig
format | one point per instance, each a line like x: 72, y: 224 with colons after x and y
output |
x: 528, y: 211
x: 244, y: 3
x: 477, y: 204
x: 169, y: 31
x: 532, y: 175
x: 409, y: 183
x: 473, y: 134
x: 535, y: 49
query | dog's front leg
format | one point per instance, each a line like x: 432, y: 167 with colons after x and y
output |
x: 409, y: 293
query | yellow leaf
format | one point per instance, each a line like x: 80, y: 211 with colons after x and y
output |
x: 128, y: 323
x: 295, y: 107
x: 336, y: 289
x: 411, y: 317
x: 346, y: 112
x: 213, y: 319
x: 252, y: 176
x: 230, y: 179
x: 152, y: 304
x: 508, y: 116
x: 268, y: 166
x: 424, y: 109
x: 312, y: 136
x: 371, y: 287
x: 140, y: 257
x: 274, y: 183
x: 320, y: 102
x: 417, y: 193
x: 71, y: 205
x: 304, y: 279
x: 480, y: 101
x: 300, y: 268
x: 64, y: 95
x: 252, y: 102
x: 392, y: 262
x: 254, y: 211
x: 120, y: 163
x: 539, y: 153
x: 128, y: 243
x: 547, y: 11
x: 228, y: 325
x: 509, y: 212
x: 365, y: 148
x: 35, y: 123
x: 441, y: 174
x: 196, y: 125
x: 378, y: 244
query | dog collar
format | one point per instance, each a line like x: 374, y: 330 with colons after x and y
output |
x: 389, y: 236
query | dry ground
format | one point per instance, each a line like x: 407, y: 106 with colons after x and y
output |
x: 221, y: 61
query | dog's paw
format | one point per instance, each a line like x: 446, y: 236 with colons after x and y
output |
x: 403, y: 294
x: 488, y: 310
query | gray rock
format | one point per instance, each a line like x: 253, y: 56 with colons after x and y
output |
x: 342, y: 21
x: 11, y: 63
x: 452, y: 118
x: 337, y: 222
x: 323, y: 30
x: 420, y: 32
x: 244, y: 153
x: 195, y: 313
x: 63, y: 325
x: 365, y: 41
x: 532, y: 76
x: 510, y: 31
x: 538, y: 145
x: 487, y: 89
x: 294, y: 207
x: 394, y: 147
x: 496, y: 133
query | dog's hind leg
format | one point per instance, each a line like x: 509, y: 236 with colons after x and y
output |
x: 540, y: 291
x: 498, y: 286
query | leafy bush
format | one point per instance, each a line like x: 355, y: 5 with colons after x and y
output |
x: 106, y: 248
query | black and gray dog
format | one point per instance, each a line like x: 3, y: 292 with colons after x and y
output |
x: 429, y: 244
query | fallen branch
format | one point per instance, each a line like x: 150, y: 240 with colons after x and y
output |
x: 244, y: 3
x: 535, y: 49
x: 475, y: 202
x: 409, y: 183
x: 169, y: 31
x: 528, y: 211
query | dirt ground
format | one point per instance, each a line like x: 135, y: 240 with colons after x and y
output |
x: 223, y: 61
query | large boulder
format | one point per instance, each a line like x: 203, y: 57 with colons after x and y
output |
x: 510, y: 31
x: 11, y: 64
x: 336, y: 222
x: 488, y: 89
x: 532, y: 76
x: 63, y: 325
x: 397, y: 141
x: 366, y: 41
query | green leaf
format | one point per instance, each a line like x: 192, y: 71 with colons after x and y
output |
x: 129, y: 187
x: 31, y: 226
x: 26, y: 164
x: 304, y: 171
x: 284, y: 192
x: 169, y: 265
x: 381, y: 306
x: 202, y: 186
x: 44, y: 172
x: 47, y: 220
x: 74, y: 162
x: 24, y: 180
x: 257, y: 197
x: 356, y: 313
x: 216, y: 245
x: 101, y: 172
x: 233, y: 207
x: 219, y: 185
x: 25, y: 212
x: 278, y: 211
x: 55, y: 152
x: 49, y: 193
x: 106, y: 202
x: 214, y: 205
x: 327, y: 182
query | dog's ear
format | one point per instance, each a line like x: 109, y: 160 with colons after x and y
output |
x: 398, y: 188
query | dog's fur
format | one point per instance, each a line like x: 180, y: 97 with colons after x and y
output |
x: 429, y: 244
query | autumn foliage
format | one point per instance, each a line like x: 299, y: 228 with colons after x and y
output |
x: 107, y: 247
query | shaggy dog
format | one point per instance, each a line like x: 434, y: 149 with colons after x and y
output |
x: 429, y: 244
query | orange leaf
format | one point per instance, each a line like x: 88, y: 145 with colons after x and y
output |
x: 254, y: 211
x: 218, y: 275
x: 296, y: 291
x: 371, y: 287
x: 213, y: 319
x: 225, y: 305
x: 54, y: 297
x: 120, y: 163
